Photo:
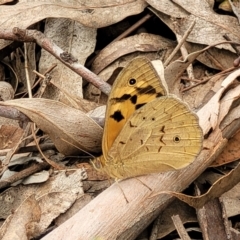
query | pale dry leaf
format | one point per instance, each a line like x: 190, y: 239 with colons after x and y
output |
x: 227, y: 102
x: 235, y: 5
x: 21, y: 161
x: 199, y: 95
x: 168, y: 7
x: 98, y: 112
x: 76, y: 39
x: 16, y: 160
x: 98, y: 115
x: 85, y: 105
x: 39, y: 177
x: 63, y: 181
x: 79, y: 103
x: 209, y: 177
x: 209, y: 28
x: 143, y: 42
x: 52, y: 205
x: 70, y: 129
x: 158, y: 66
x: 232, y: 116
x: 215, y: 58
x: 209, y: 114
x: 231, y: 204
x: 230, y: 153
x: 223, y: 184
x: 9, y: 136
x: 6, y: 1
x: 94, y: 14
x: 231, y: 200
x: 165, y: 223
x: 6, y: 91
x: 22, y: 222
x: 175, y: 69
x: 77, y: 205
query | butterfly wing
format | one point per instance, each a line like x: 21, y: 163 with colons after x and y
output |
x: 163, y: 135
x: 137, y: 84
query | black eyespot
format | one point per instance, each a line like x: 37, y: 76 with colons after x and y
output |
x: 176, y: 139
x: 143, y: 118
x: 132, y: 81
x: 153, y: 119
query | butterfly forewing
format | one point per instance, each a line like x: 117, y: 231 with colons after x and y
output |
x: 137, y: 84
x: 163, y: 135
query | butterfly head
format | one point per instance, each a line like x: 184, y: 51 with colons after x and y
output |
x: 98, y: 163
x: 114, y: 171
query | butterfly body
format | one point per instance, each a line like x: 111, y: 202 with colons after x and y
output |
x: 146, y: 131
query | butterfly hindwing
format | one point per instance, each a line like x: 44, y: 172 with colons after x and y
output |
x: 163, y: 135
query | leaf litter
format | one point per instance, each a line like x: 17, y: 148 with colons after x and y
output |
x: 60, y: 114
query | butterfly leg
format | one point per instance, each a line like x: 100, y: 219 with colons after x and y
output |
x: 143, y: 184
x: 117, y: 181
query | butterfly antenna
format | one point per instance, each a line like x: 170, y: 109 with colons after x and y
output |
x: 78, y: 148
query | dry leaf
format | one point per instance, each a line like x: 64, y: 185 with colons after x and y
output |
x: 231, y: 200
x: 210, y: 112
x: 64, y: 181
x: 209, y: 28
x: 175, y: 69
x: 6, y: 1
x: 80, y: 41
x: 9, y: 136
x: 213, y: 220
x: 92, y: 14
x: 6, y: 91
x: 143, y: 42
x: 21, y: 224
x: 52, y: 205
x: 221, y: 186
x: 230, y: 153
x: 23, y: 161
x: 165, y: 223
x: 77, y: 205
x: 235, y: 8
x: 215, y: 58
x: 70, y: 129
x: 79, y: 103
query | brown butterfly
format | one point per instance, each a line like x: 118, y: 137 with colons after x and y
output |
x: 146, y: 130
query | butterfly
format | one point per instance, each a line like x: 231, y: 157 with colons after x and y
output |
x: 146, y: 129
